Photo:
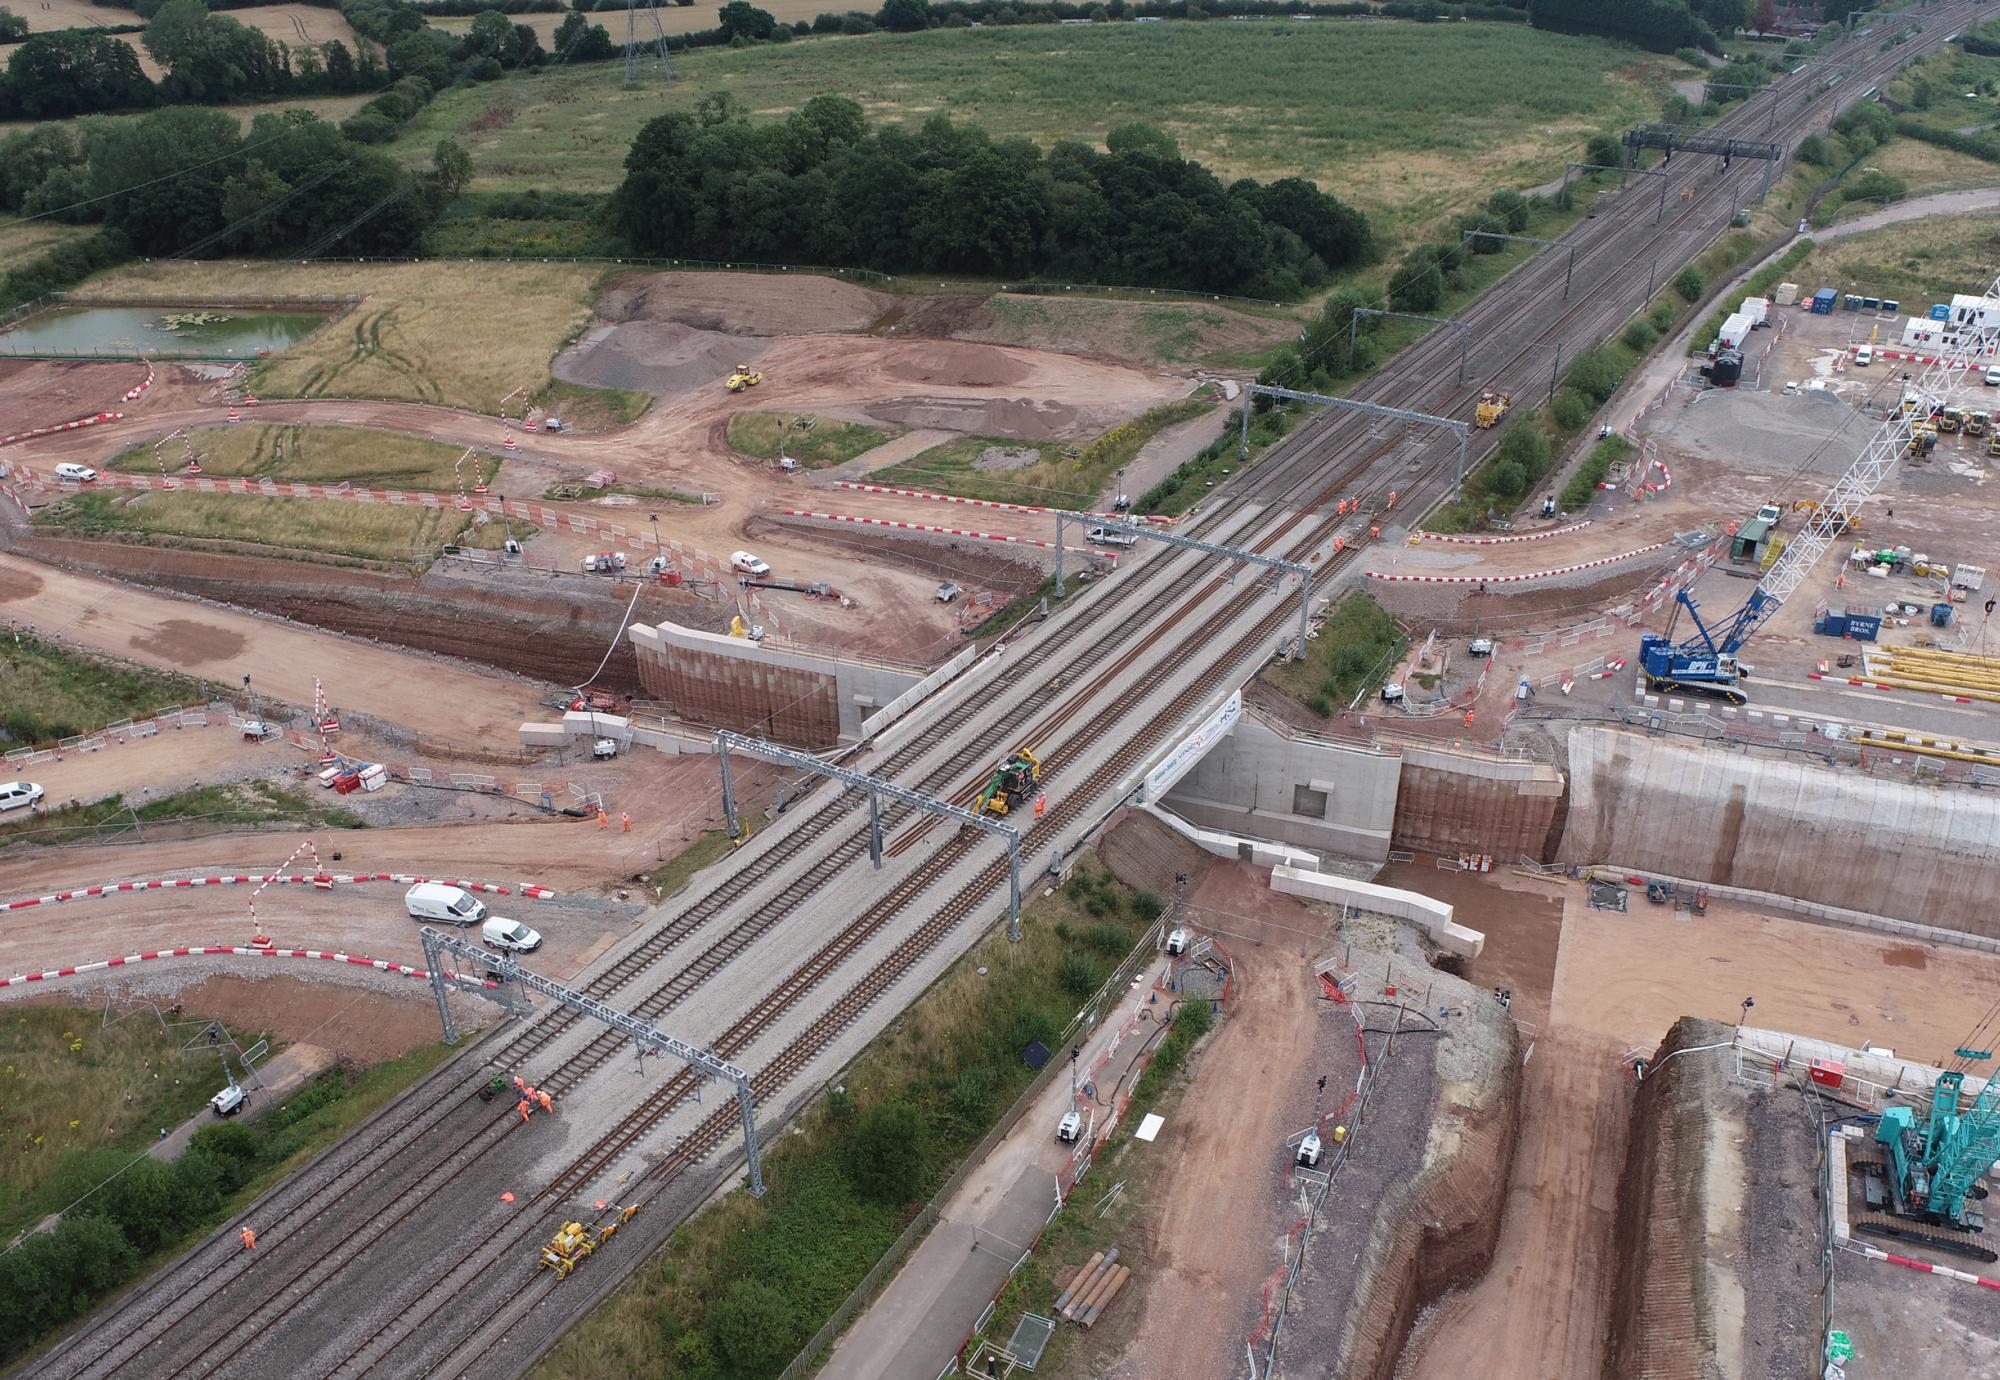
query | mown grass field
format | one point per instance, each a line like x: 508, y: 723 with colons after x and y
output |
x: 319, y: 455
x: 763, y: 434
x: 1914, y: 260
x: 48, y: 692
x: 457, y: 334
x: 1407, y: 121
x: 367, y: 531
x: 674, y: 19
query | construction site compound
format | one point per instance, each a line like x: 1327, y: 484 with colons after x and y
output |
x: 1608, y: 986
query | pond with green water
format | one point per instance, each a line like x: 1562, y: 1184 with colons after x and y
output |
x: 193, y: 332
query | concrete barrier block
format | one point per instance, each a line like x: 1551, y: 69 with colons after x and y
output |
x: 543, y: 735
x: 581, y: 723
x: 1457, y: 939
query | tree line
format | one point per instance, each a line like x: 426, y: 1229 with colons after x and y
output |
x: 186, y: 180
x: 823, y: 187
x: 207, y: 57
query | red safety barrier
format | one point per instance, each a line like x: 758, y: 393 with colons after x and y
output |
x: 382, y: 965
x: 1513, y: 579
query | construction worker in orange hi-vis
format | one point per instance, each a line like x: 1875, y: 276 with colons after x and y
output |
x: 548, y: 1103
x: 603, y: 819
x: 249, y: 1239
x: 625, y: 821
x: 1041, y: 804
x: 527, y: 1109
x: 519, y: 1082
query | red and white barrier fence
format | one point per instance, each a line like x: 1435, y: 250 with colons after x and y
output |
x: 133, y: 393
x: 380, y: 965
x: 1514, y: 579
x: 92, y: 420
x: 941, y: 531
x: 320, y: 880
x: 1503, y: 541
x: 1925, y: 1267
x: 1156, y: 519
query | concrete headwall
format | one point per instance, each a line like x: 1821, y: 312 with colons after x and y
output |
x: 1466, y: 802
x: 1926, y: 853
x: 800, y: 698
x: 1267, y: 783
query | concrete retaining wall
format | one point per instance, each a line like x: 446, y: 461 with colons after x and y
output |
x: 1833, y: 837
x: 1462, y: 802
x: 1265, y: 782
x: 800, y: 698
x: 1433, y: 915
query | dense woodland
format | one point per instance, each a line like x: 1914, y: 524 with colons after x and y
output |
x: 823, y: 187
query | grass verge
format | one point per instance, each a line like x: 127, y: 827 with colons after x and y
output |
x: 709, y: 846
x: 406, y: 534
x: 1354, y: 645
x: 1059, y: 476
x: 456, y: 334
x: 319, y: 455
x: 244, y: 802
x: 1197, y: 333
x: 1582, y: 486
x: 49, y: 692
x: 592, y: 409
x: 818, y: 444
x: 148, y: 1210
x: 743, y: 1286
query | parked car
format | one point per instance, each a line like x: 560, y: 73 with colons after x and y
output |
x: 749, y: 564
x: 79, y: 474
x: 1864, y: 356
x: 19, y: 795
x: 1105, y: 536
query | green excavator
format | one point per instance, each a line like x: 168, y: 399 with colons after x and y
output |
x: 1012, y: 785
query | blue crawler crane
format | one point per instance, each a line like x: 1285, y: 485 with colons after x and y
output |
x: 1706, y: 663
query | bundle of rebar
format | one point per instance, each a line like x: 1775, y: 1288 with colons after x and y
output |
x: 1093, y: 1289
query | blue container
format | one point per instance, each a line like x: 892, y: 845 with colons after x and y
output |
x: 1823, y: 300
x: 1864, y: 627
x: 1940, y: 615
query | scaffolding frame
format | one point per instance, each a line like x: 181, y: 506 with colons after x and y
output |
x: 876, y: 789
x: 508, y: 971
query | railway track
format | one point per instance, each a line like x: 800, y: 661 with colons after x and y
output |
x: 1086, y: 679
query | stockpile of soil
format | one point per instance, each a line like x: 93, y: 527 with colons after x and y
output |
x: 1423, y: 1214
x: 745, y: 303
x: 1032, y: 419
x: 654, y: 357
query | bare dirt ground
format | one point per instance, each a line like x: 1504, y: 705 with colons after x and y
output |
x: 915, y: 382
x: 456, y: 704
x: 1619, y: 982
x: 1203, y: 1295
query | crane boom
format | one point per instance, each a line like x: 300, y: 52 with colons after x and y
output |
x: 1877, y: 460
x: 1706, y: 663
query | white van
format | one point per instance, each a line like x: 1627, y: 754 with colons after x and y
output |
x: 1864, y: 356
x: 510, y: 934
x: 453, y: 905
x: 80, y: 474
x: 19, y: 795
x: 1104, y: 536
x: 749, y: 564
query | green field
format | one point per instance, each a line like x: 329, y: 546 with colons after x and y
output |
x: 22, y: 241
x: 368, y: 531
x: 319, y: 455
x: 1917, y: 261
x: 49, y: 692
x: 824, y: 443
x: 1407, y: 121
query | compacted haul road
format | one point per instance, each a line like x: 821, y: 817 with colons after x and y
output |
x: 394, y: 1254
